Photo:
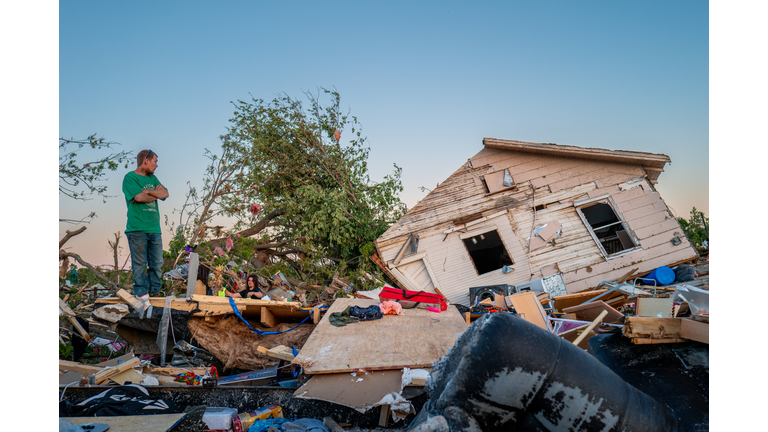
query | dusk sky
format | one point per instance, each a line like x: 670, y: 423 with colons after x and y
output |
x: 427, y: 81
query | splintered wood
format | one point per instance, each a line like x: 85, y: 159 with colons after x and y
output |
x: 415, y: 339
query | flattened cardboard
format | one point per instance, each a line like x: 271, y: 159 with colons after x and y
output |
x: 358, y: 390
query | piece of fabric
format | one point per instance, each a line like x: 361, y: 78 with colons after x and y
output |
x: 369, y: 313
x: 340, y: 319
x: 142, y: 217
x: 390, y: 307
x: 129, y: 399
x: 146, y: 262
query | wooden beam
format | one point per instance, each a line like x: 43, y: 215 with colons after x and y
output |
x: 108, y: 373
x: 79, y: 367
x: 72, y: 318
x: 589, y: 328
x: 402, y: 250
x: 384, y: 416
x: 694, y: 330
x: 267, y: 318
x: 316, y: 314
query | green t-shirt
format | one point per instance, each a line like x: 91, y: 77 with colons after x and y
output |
x: 142, y: 217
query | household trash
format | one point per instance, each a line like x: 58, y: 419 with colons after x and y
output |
x: 243, y: 421
x: 179, y: 273
x: 219, y: 418
x: 685, y: 273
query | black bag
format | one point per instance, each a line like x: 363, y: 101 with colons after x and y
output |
x: 125, y: 400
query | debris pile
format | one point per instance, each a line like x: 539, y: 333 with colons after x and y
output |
x: 306, y: 358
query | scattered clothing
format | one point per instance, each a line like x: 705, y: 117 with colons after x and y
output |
x: 340, y: 319
x: 366, y: 314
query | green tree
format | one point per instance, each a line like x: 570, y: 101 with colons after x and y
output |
x: 78, y: 179
x: 296, y: 182
x: 696, y: 228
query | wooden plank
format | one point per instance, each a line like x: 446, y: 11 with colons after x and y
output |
x: 384, y: 416
x: 528, y: 307
x: 72, y: 319
x: 267, y: 318
x: 694, y: 330
x: 108, y: 373
x: 402, y: 250
x: 575, y: 299
x: 652, y: 328
x: 137, y: 423
x: 281, y: 352
x: 79, y: 367
x: 316, y: 314
x: 415, y: 339
x: 128, y: 375
x: 590, y: 327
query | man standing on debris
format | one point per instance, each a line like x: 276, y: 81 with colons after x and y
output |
x: 142, y: 190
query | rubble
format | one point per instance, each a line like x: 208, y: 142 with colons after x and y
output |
x: 231, y: 360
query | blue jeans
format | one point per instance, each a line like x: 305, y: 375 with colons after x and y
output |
x: 146, y: 262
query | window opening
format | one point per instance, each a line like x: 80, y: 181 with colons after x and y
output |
x: 487, y: 252
x: 608, y: 228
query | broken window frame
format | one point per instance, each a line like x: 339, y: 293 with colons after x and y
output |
x: 607, y: 199
x: 477, y: 232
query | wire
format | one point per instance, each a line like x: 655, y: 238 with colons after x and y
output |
x: 530, y: 236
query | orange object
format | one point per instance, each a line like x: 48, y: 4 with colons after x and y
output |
x: 390, y: 307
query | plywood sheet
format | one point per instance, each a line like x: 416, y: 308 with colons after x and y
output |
x: 137, y: 423
x: 527, y: 307
x: 415, y: 339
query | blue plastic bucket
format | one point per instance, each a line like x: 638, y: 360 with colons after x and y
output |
x: 662, y: 275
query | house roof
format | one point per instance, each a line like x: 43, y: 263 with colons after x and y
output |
x: 652, y: 163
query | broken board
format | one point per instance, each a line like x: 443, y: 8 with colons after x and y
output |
x: 528, y: 308
x: 415, y: 339
x: 358, y: 390
x: 590, y: 311
x: 136, y: 423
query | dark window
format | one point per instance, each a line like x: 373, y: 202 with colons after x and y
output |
x: 488, y: 252
x: 608, y: 228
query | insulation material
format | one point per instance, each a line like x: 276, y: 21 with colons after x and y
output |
x: 230, y: 340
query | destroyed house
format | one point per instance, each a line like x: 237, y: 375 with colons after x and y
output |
x: 519, y: 213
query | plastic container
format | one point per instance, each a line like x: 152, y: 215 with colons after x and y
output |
x: 662, y: 275
x: 219, y: 418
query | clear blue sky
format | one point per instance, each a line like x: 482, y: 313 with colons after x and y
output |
x: 427, y: 80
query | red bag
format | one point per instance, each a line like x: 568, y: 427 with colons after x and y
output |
x: 411, y: 299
